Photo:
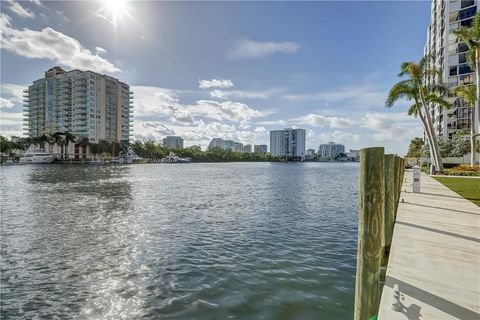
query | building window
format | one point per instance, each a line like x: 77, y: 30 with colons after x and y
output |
x: 462, y: 47
x: 466, y: 79
x: 453, y: 71
x: 467, y: 3
x: 462, y: 58
x: 467, y: 13
x: 466, y: 23
x: 464, y: 68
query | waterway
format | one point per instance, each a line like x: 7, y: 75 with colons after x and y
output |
x: 179, y: 241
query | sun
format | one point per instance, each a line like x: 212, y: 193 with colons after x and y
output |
x: 113, y: 10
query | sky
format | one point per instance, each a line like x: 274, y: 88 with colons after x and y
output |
x: 234, y: 70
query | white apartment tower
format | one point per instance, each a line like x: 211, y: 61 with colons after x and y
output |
x: 330, y: 150
x: 83, y: 103
x: 174, y: 142
x: 451, y: 57
x: 287, y: 143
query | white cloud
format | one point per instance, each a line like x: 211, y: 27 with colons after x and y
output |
x: 5, y: 104
x: 377, y: 121
x: 153, y: 101
x: 100, y: 51
x: 391, y: 126
x: 12, y: 93
x: 318, y: 120
x: 181, y: 116
x: 37, y: 2
x: 273, y: 123
x: 53, y: 45
x: 215, y: 83
x: 338, y: 136
x: 11, y: 118
x: 245, y: 94
x: 250, y: 49
x: 354, y: 97
x: 62, y: 15
x: 260, y: 130
x: 16, y: 8
x: 226, y: 110
x: 158, y: 128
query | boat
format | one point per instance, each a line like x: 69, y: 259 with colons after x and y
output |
x: 173, y: 158
x: 37, y: 155
x: 126, y: 157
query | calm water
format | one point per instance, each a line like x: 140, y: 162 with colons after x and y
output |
x: 195, y: 241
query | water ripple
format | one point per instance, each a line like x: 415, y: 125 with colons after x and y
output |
x: 202, y: 241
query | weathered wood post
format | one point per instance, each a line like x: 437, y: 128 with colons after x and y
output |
x: 389, y: 218
x: 370, y: 229
x: 403, y: 173
x: 397, y: 183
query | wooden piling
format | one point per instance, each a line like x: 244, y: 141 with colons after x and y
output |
x: 389, y: 200
x: 370, y: 230
x: 397, y: 183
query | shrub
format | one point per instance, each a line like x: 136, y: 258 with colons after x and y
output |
x: 463, y: 170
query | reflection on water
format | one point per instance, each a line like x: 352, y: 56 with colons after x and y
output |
x: 203, y: 241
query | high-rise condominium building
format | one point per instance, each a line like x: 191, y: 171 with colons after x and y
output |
x: 260, y: 148
x: 330, y: 150
x: 287, y: 143
x: 173, y: 142
x: 451, y: 56
x: 219, y: 143
x: 83, y: 103
x: 247, y: 148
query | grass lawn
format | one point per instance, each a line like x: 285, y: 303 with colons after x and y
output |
x: 469, y: 188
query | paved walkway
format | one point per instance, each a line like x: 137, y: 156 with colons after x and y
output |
x: 435, y: 255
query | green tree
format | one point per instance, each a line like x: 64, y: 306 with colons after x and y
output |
x: 415, y: 148
x: 469, y: 95
x: 67, y: 138
x: 414, y: 89
x: 57, y: 139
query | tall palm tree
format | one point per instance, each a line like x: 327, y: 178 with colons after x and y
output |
x: 469, y: 95
x: 471, y: 37
x: 83, y: 142
x: 414, y: 89
x: 67, y: 138
x: 57, y: 139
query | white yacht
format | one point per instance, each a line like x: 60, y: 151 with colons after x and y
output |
x: 36, y: 155
x: 126, y: 157
x: 173, y: 158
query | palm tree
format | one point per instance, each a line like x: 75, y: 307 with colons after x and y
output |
x: 471, y: 37
x: 83, y: 142
x: 414, y: 89
x: 57, y: 139
x: 67, y: 138
x: 469, y: 95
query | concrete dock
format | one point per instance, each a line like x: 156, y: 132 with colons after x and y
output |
x: 435, y: 255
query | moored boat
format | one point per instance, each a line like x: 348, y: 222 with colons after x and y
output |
x: 36, y: 155
x: 126, y: 157
x: 173, y: 158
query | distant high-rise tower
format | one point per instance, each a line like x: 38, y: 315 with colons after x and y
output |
x: 287, y: 143
x: 451, y: 56
x: 173, y: 142
x: 83, y: 103
x: 330, y: 150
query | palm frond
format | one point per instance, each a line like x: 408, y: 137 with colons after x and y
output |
x: 405, y: 89
x: 438, y: 100
x: 468, y: 93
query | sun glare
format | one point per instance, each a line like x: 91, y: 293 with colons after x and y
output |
x: 114, y: 10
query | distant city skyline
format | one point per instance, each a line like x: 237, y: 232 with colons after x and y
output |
x: 228, y: 70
